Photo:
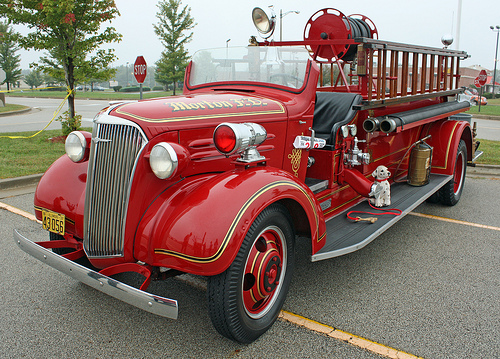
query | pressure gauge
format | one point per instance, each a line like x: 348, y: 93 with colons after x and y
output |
x: 345, y: 131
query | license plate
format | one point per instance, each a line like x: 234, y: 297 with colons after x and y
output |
x: 53, y: 222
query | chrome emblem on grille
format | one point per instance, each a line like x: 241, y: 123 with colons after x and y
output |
x: 97, y: 139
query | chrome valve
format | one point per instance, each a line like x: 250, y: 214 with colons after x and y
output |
x: 356, y: 157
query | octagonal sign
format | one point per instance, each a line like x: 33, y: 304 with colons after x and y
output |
x: 482, y: 78
x: 140, y: 69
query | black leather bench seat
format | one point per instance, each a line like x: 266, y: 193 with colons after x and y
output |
x: 333, y: 110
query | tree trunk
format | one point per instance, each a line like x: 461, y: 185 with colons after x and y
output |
x: 174, y: 88
x: 70, y: 81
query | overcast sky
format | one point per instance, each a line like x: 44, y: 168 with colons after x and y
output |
x: 420, y: 22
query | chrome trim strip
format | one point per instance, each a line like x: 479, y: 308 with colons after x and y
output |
x: 151, y: 303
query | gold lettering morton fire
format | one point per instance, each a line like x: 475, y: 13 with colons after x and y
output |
x: 202, y: 105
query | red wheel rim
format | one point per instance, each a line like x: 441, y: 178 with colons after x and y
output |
x: 458, y: 176
x: 264, y: 272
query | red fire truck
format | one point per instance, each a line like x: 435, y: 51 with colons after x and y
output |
x: 270, y: 144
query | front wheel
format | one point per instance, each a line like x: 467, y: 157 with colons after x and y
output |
x: 245, y: 300
x: 451, y: 192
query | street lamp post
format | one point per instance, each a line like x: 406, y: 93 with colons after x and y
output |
x: 497, y: 30
x: 282, y: 15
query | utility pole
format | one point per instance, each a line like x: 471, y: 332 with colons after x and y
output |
x: 497, y: 30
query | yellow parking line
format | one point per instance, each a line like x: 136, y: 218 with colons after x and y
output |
x: 19, y: 212
x: 444, y: 219
x: 358, y: 341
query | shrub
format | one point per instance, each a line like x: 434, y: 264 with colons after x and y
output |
x: 158, y: 88
x: 130, y: 89
x: 117, y: 88
x: 134, y: 89
x: 69, y: 124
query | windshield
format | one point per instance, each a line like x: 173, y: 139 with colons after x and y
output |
x: 277, y: 65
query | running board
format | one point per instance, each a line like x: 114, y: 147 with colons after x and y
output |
x: 345, y: 236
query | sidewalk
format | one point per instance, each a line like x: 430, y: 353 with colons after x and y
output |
x: 484, y: 171
x: 486, y: 117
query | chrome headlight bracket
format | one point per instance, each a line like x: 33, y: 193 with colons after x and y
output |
x: 163, y: 160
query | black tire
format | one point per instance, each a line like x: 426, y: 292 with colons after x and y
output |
x: 451, y: 192
x: 435, y: 198
x: 243, y: 301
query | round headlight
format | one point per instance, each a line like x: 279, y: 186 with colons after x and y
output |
x: 163, y: 160
x: 75, y: 146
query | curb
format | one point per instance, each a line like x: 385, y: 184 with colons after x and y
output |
x: 484, y: 170
x: 17, y: 182
x: 16, y: 112
x: 486, y: 117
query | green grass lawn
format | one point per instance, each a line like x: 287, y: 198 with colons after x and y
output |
x: 491, y: 109
x: 26, y: 156
x: 491, y: 155
x: 10, y: 107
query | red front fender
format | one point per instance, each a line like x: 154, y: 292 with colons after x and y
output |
x: 199, y: 225
x: 62, y: 189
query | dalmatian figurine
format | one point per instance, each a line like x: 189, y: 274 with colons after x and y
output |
x: 381, y: 189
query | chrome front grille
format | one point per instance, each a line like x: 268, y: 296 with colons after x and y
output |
x: 113, y: 157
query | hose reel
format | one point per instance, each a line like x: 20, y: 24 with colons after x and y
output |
x: 331, y: 24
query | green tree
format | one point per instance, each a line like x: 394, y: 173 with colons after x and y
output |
x: 71, y: 33
x: 34, y: 78
x: 9, y: 61
x: 174, y: 21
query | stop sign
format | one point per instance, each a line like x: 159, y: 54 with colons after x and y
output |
x: 140, y: 69
x: 481, y: 79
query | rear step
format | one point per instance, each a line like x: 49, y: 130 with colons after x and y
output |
x: 477, y: 154
x: 345, y: 236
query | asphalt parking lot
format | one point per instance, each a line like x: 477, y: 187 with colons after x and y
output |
x: 426, y: 287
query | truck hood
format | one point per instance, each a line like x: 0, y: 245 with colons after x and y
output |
x: 199, y: 111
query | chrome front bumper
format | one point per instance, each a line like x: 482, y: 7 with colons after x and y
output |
x: 146, y: 301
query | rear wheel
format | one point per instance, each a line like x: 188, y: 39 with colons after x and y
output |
x: 245, y: 300
x: 452, y: 191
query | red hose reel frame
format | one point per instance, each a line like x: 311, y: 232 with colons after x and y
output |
x: 331, y: 24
